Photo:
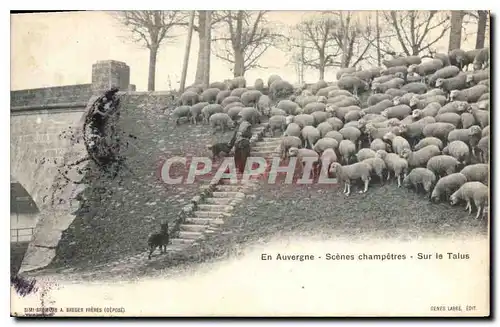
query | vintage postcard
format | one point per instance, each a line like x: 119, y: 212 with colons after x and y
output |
x: 250, y: 163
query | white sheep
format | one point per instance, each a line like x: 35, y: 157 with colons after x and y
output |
x: 470, y: 136
x: 481, y: 116
x: 221, y: 120
x: 195, y: 111
x: 324, y: 128
x: 335, y: 122
x: 470, y: 192
x: 350, y: 133
x: 365, y: 153
x: 304, y: 155
x: 439, y: 130
x: 421, y: 157
x: 483, y: 147
x: 485, y: 131
x: 430, y: 110
x: 378, y: 166
x: 458, y: 150
x: 378, y: 144
x: 398, y: 143
x: 288, y: 106
x: 346, y: 149
x: 400, y: 111
x: 414, y: 131
x: 180, y: 112
x: 445, y: 72
x: 446, y: 185
x: 376, y: 98
x: 420, y: 102
x: 449, y: 117
x: 395, y: 164
x: 327, y: 158
x: 304, y: 120
x: 320, y: 117
x: 276, y: 123
x: 454, y: 106
x: 293, y: 130
x: 378, y: 108
x: 315, y: 106
x: 334, y: 135
x: 325, y: 143
x: 470, y: 95
x: 310, y: 135
x: 345, y: 174
x: 415, y: 87
x: 420, y: 177
x: 288, y: 142
x: 457, y: 82
x: 429, y: 141
x: 477, y: 173
x: 443, y: 164
x: 467, y: 119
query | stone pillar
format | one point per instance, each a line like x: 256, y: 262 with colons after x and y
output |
x: 109, y: 73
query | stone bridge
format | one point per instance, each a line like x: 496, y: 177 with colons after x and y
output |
x: 45, y: 139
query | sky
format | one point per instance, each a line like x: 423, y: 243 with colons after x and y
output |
x: 53, y: 49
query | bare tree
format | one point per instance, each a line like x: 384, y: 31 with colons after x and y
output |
x: 456, y: 19
x: 243, y: 39
x: 150, y: 28
x: 417, y: 31
x: 482, y: 20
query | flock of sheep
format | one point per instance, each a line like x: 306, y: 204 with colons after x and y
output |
x: 425, y: 122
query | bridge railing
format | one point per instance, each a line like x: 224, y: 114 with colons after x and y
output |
x: 21, y: 234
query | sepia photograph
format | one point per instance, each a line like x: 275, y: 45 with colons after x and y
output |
x: 246, y: 163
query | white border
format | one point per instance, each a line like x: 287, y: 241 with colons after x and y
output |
x: 144, y: 4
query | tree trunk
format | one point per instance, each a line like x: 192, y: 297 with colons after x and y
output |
x: 206, y: 52
x: 239, y: 64
x: 153, y: 52
x: 379, y: 53
x: 186, y: 53
x: 200, y: 65
x: 456, y: 29
x: 481, y: 28
x: 321, y: 66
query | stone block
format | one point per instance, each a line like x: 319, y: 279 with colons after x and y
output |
x: 110, y: 73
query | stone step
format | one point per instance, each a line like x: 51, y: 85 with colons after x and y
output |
x: 215, y: 207
x: 263, y: 154
x: 177, y: 247
x: 204, y: 221
x: 211, y: 214
x: 230, y: 188
x: 264, y: 147
x: 219, y: 201
x: 193, y: 228
x: 233, y: 195
x: 271, y: 139
x: 190, y: 235
x: 181, y: 241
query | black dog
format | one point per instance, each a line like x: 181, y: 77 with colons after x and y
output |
x: 217, y: 148
x: 160, y: 240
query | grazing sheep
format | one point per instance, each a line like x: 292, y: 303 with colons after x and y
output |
x: 264, y: 105
x: 251, y: 98
x: 394, y: 92
x: 352, y: 115
x: 237, y: 83
x: 326, y: 90
x: 378, y: 133
x: 484, y: 82
x: 457, y: 82
x: 485, y: 131
x: 394, y: 83
x: 340, y: 112
x: 424, y: 101
x: 404, y: 99
x: 347, y: 149
x: 259, y: 84
x: 378, y: 108
x: 180, y: 112
x: 209, y: 110
x: 276, y: 123
x: 444, y: 58
x: 271, y: 79
x: 238, y: 92
x: 324, y: 128
x: 233, y: 105
x: 378, y: 144
x: 467, y: 119
x: 345, y: 102
x: 222, y: 95
x: 335, y: 122
x: 327, y: 158
x: 278, y: 112
x: 338, y: 93
x: 477, y: 76
x: 189, y: 98
x: 304, y: 100
x: 315, y: 106
x: 449, y: 117
x: 250, y: 114
x: 420, y: 177
x: 288, y: 106
x: 429, y: 141
x: 481, y: 116
x: 394, y: 163
x: 459, y: 150
x: 196, y: 88
x: 325, y: 143
x: 414, y: 131
x: 382, y: 79
x: 398, y: 143
x: 455, y: 106
x: 395, y: 70
x: 470, y: 136
x: 302, y: 154
x: 195, y: 111
x: 443, y: 165
x: 476, y: 173
x: 415, y: 87
x: 320, y: 117
x: 321, y: 84
x: 280, y: 89
x: 421, y: 157
x: 230, y: 99
x: 376, y: 98
x: 434, y: 91
x: 359, y: 170
x: 292, y: 130
x: 439, y: 130
x: 458, y: 58
x: 445, y: 72
x: 334, y: 135
x: 482, y: 58
x: 472, y: 191
x: 447, y: 185
x: 400, y: 111
x: 221, y: 120
x: 350, y: 133
x: 470, y: 95
x: 209, y: 95
x: 310, y: 135
x: 426, y: 68
x: 483, y: 147
x: 234, y: 111
x: 483, y: 104
x: 218, y: 85
x: 365, y: 153
x: 378, y: 167
x: 304, y: 120
x: 288, y: 142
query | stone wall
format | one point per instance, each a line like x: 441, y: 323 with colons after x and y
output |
x: 51, y: 95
